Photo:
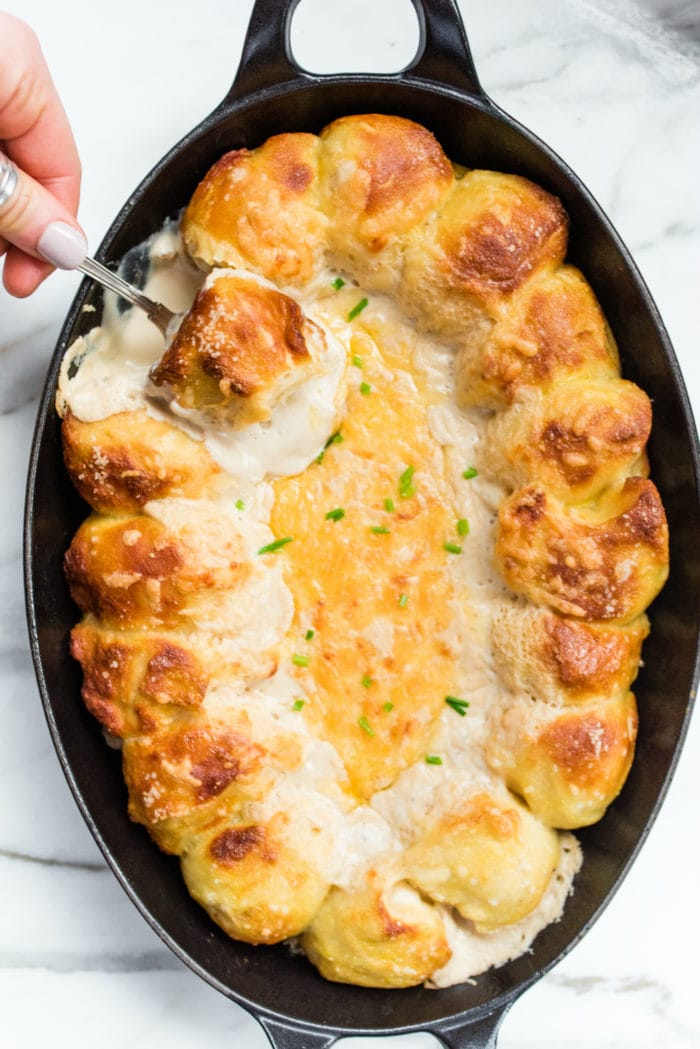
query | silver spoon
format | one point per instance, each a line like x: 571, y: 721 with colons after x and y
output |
x: 160, y: 315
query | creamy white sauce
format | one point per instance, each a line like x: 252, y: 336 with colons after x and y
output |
x: 107, y: 372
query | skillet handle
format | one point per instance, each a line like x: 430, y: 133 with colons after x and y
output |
x: 293, y: 1036
x: 443, y: 54
x: 478, y: 1034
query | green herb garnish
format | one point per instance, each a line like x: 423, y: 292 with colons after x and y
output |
x: 470, y: 472
x: 380, y: 530
x: 433, y: 759
x: 335, y: 515
x: 338, y: 283
x: 308, y: 635
x: 406, y: 485
x: 277, y: 545
x: 452, y: 548
x: 365, y: 726
x: 298, y: 704
x: 300, y: 661
x: 388, y: 706
x: 463, y: 526
x: 240, y: 505
x: 458, y: 705
x: 366, y: 681
x: 389, y: 506
x: 357, y: 309
x: 365, y: 389
x: 357, y: 361
x: 403, y: 600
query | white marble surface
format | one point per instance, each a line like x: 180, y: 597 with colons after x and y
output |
x: 616, y: 91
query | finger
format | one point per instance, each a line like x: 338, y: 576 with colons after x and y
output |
x: 33, y: 123
x: 33, y: 220
x: 21, y: 274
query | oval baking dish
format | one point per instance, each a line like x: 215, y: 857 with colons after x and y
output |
x: 440, y: 89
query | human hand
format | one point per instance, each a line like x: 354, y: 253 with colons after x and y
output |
x: 37, y: 220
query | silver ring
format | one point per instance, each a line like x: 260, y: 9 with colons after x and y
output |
x: 9, y: 179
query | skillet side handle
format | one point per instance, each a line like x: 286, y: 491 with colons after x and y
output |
x: 444, y: 55
x: 478, y: 1034
x: 293, y: 1036
x: 266, y: 59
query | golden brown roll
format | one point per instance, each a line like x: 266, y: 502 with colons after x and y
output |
x: 575, y: 439
x: 561, y: 660
x: 487, y: 238
x: 380, y: 936
x: 380, y: 177
x: 240, y: 349
x: 567, y: 765
x: 138, y: 572
x: 258, y: 879
x: 606, y: 561
x: 551, y: 329
x: 259, y: 210
x: 120, y: 463
x: 490, y: 859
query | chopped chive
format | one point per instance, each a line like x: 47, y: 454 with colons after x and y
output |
x: 335, y: 515
x: 380, y: 530
x: 458, y: 705
x: 433, y: 759
x: 470, y: 472
x: 365, y: 726
x: 366, y: 681
x: 403, y: 600
x: 357, y: 309
x: 309, y: 634
x: 277, y: 545
x: 388, y: 706
x: 338, y: 283
x: 406, y: 485
x: 452, y: 548
x: 298, y: 704
x: 335, y: 438
x: 240, y: 505
x: 389, y: 506
x: 365, y: 389
x: 463, y: 526
x: 300, y: 661
x: 357, y: 361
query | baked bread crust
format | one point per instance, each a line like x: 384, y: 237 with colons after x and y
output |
x: 476, y: 258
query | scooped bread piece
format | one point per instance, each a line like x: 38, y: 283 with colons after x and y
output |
x: 240, y: 350
x: 550, y: 329
x: 563, y: 661
x: 567, y: 765
x: 604, y: 561
x: 120, y: 463
x: 382, y: 936
x: 259, y: 209
x: 380, y: 177
x: 488, y: 858
x: 576, y: 439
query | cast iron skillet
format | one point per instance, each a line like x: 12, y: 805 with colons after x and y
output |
x: 441, y: 90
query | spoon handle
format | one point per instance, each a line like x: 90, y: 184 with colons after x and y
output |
x: 160, y: 315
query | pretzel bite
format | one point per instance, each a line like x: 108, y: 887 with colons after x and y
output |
x: 564, y: 661
x: 606, y: 561
x: 258, y: 879
x: 489, y: 858
x: 137, y: 571
x: 576, y: 439
x: 487, y: 238
x: 240, y: 349
x: 380, y: 176
x: 120, y: 463
x: 259, y: 210
x: 567, y: 765
x: 550, y: 329
x: 380, y: 936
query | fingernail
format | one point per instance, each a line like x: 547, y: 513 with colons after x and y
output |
x: 62, y: 245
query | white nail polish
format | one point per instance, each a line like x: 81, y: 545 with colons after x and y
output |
x: 62, y: 245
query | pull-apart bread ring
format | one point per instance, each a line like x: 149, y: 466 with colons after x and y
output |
x: 372, y: 540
